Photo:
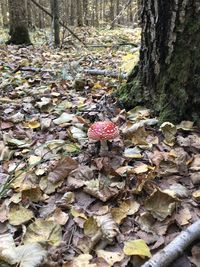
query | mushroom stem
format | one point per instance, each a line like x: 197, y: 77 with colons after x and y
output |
x: 104, y: 146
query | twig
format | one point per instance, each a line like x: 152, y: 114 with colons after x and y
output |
x: 20, y: 68
x: 62, y: 24
x: 172, y: 251
x: 88, y: 71
x: 113, y: 45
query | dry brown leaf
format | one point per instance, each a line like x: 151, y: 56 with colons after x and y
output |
x: 62, y: 169
x: 160, y: 204
x: 183, y: 217
x: 108, y: 226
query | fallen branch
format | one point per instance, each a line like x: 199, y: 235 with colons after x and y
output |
x: 62, y: 24
x: 96, y: 72
x: 113, y: 46
x: 106, y: 73
x: 20, y: 68
x: 172, y: 251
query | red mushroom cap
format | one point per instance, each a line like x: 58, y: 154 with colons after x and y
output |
x: 103, y: 130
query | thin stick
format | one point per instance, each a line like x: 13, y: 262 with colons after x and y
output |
x: 172, y: 251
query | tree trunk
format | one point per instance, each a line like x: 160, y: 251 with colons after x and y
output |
x: 79, y: 13
x: 56, y: 25
x: 85, y: 12
x: 112, y: 10
x: 18, y: 22
x: 118, y: 10
x: 96, y: 14
x: 28, y: 6
x: 167, y: 78
x: 72, y: 11
x: 4, y: 9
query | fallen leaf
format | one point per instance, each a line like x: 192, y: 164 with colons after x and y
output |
x: 195, y: 258
x: 160, y: 204
x: 29, y: 255
x: 108, y: 226
x: 110, y: 257
x: 43, y: 231
x: 34, y: 160
x: 196, y: 195
x: 91, y: 227
x: 62, y: 169
x: 134, y: 153
x: 18, y: 215
x: 32, y: 124
x: 136, y: 247
x: 64, y: 117
x: 183, y: 216
x: 169, y: 130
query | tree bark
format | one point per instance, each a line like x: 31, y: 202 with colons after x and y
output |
x: 112, y: 10
x: 79, y: 13
x: 4, y: 9
x: 55, y: 19
x: 167, y: 78
x: 174, y: 249
x: 18, y: 22
x: 85, y: 12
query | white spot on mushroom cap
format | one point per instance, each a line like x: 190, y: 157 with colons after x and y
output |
x: 106, y: 130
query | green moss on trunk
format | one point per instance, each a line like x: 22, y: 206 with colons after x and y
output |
x: 174, y: 93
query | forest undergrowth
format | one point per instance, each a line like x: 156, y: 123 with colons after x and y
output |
x: 60, y: 197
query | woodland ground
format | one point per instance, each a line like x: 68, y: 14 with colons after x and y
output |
x: 76, y: 206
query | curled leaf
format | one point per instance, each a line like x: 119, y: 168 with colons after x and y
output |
x: 108, y: 226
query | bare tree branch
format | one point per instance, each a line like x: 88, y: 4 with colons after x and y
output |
x: 62, y: 24
x: 172, y: 251
x: 120, y: 14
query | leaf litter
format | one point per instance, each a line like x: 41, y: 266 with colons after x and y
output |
x: 60, y: 198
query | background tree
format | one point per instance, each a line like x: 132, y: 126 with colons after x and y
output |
x: 55, y: 20
x: 79, y: 14
x: 168, y: 77
x: 18, y: 22
x: 4, y: 10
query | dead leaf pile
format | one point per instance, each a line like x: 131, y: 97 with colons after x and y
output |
x: 62, y: 201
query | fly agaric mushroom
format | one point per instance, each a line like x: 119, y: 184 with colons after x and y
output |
x: 103, y: 131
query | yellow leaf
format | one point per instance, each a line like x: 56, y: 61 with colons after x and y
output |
x: 142, y: 168
x: 43, y: 231
x: 130, y: 60
x: 136, y: 247
x: 196, y: 195
x: 90, y: 227
x: 120, y: 213
x: 97, y: 86
x: 19, y: 215
x: 76, y: 213
x: 32, y: 124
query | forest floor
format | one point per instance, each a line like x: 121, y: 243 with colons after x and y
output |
x: 60, y: 197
